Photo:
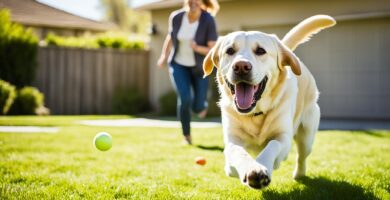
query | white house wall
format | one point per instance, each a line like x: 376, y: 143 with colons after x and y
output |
x: 360, y: 39
x: 351, y: 66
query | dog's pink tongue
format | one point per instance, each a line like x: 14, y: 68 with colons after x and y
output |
x: 244, y: 95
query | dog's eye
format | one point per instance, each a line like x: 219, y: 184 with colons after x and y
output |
x: 230, y: 51
x: 260, y: 51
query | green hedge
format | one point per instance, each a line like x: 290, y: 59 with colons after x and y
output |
x: 168, y: 103
x: 214, y: 109
x: 29, y: 101
x: 86, y: 42
x: 106, y: 41
x: 18, y: 52
x: 101, y: 41
x: 129, y: 101
x: 7, y: 96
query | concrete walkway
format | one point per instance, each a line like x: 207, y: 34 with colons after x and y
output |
x: 28, y: 129
x: 143, y: 122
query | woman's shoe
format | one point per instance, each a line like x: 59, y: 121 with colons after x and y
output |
x: 202, y: 114
x: 188, y: 139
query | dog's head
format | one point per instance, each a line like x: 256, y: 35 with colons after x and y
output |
x: 249, y: 64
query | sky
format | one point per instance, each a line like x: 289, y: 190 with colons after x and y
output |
x: 86, y: 8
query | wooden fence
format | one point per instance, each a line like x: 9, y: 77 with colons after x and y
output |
x: 83, y: 81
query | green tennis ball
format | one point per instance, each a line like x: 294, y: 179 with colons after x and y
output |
x: 102, y: 141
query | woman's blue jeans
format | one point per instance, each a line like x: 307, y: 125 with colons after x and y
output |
x: 191, y: 89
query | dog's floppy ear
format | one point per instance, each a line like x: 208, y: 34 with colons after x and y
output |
x: 287, y: 58
x: 211, y: 59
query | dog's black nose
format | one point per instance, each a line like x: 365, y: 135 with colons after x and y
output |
x: 242, y: 68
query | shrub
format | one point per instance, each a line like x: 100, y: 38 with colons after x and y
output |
x: 28, y: 102
x: 18, y: 52
x: 111, y: 42
x: 53, y: 40
x: 214, y: 109
x: 168, y: 103
x: 84, y: 42
x: 129, y: 101
x: 7, y: 96
x: 101, y: 41
x: 118, y: 42
x: 137, y: 45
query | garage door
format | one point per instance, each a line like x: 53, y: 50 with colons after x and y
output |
x: 351, y: 64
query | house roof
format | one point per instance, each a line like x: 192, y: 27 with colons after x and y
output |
x: 159, y: 4
x: 32, y: 13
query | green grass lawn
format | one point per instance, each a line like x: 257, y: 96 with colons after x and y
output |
x: 153, y: 163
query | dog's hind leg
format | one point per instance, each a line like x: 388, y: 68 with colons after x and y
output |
x: 305, y: 138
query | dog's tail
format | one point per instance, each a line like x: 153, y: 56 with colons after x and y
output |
x: 302, y: 32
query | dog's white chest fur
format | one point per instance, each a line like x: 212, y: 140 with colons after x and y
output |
x: 254, y: 75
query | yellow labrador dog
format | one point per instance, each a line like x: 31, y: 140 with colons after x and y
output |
x: 268, y: 98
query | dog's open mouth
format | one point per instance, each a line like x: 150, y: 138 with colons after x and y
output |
x: 246, y: 95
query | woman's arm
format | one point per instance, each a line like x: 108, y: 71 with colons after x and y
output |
x: 202, y: 49
x: 167, y: 46
x: 211, y: 37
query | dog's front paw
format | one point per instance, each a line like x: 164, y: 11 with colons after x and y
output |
x: 257, y: 177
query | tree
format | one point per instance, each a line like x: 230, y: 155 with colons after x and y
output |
x: 129, y: 20
x: 116, y: 12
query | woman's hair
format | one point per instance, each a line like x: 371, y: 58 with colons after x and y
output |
x: 211, y: 6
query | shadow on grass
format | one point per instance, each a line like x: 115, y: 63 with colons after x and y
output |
x: 322, y: 188
x: 210, y: 148
x: 372, y: 133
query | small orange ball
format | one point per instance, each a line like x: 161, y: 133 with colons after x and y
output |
x: 200, y: 160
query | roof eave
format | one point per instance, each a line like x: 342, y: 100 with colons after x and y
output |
x: 160, y: 5
x: 163, y: 4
